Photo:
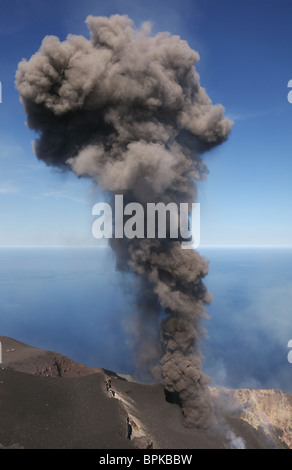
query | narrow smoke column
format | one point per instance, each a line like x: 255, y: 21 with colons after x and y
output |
x: 127, y: 109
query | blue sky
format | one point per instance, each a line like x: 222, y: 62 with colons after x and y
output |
x: 246, y: 63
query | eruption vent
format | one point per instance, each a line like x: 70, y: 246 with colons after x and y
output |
x: 126, y: 108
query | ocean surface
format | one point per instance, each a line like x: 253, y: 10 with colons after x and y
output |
x: 73, y: 301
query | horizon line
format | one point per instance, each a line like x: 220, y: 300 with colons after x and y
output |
x: 107, y: 246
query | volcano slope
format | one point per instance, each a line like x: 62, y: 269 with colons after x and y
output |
x: 48, y: 401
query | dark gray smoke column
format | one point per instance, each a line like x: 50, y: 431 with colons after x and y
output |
x: 127, y: 109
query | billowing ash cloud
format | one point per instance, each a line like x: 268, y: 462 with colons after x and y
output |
x: 126, y: 108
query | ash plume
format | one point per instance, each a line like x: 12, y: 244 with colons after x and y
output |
x: 126, y: 109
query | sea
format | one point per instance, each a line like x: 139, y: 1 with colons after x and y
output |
x: 74, y: 301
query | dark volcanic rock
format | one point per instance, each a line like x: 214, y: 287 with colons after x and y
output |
x: 48, y: 401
